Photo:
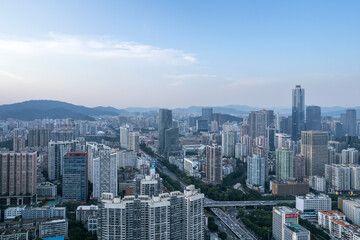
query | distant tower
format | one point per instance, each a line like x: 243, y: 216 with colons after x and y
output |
x: 165, y: 123
x: 350, y: 122
x: 313, y: 118
x: 298, y: 112
x: 207, y: 114
x: 213, y: 167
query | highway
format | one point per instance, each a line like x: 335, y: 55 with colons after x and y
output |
x: 214, y: 204
x: 234, y: 225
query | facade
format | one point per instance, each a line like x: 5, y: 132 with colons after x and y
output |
x: 313, y: 118
x: 213, y: 166
x: 339, y: 175
x: 350, y: 156
x: 106, y: 179
x: 351, y: 209
x: 318, y: 183
x: 256, y: 170
x: 259, y: 121
x: 54, y: 228
x: 75, y: 180
x: 280, y: 216
x: 314, y: 147
x: 172, y: 215
x: 312, y: 202
x: 284, y: 164
x: 298, y: 112
x: 289, y: 188
x: 355, y: 177
x: 228, y: 143
x: 299, y: 167
x: 294, y: 231
x: 17, y: 173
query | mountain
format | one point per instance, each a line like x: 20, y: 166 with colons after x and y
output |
x: 37, y: 109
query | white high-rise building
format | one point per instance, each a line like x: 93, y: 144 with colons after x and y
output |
x: 134, y: 141
x: 284, y: 164
x: 340, y: 177
x: 172, y: 216
x: 240, y: 150
x: 293, y: 231
x: 124, y: 137
x: 351, y: 210
x: 282, y: 215
x: 213, y: 166
x: 105, y: 174
x: 350, y: 155
x: 126, y: 158
x: 256, y: 170
x: 355, y: 177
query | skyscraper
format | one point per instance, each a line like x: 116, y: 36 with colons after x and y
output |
x: 284, y: 164
x: 106, y: 180
x: 124, y: 137
x: 314, y: 147
x: 259, y: 121
x: 213, y: 166
x: 350, y: 122
x: 134, y: 141
x: 298, y: 112
x: 38, y: 137
x: 74, y: 179
x: 313, y: 118
x: 19, y: 140
x: 165, y: 123
x: 207, y: 114
x: 228, y: 143
x: 256, y: 170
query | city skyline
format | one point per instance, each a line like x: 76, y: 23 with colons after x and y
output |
x: 246, y: 55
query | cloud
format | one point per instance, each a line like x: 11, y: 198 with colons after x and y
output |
x: 97, y: 47
x: 176, y: 84
x: 10, y: 75
x: 192, y: 76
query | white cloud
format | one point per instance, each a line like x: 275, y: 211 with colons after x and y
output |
x: 98, y: 47
x: 192, y: 76
x: 10, y: 75
x: 176, y: 84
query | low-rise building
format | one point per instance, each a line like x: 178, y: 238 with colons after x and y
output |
x: 88, y: 215
x: 310, y: 204
x: 325, y: 217
x: 54, y: 228
x: 12, y: 212
x: 290, y: 188
x: 46, y: 190
x: 294, y: 231
x: 43, y: 212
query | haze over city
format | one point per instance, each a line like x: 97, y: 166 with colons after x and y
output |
x: 180, y: 53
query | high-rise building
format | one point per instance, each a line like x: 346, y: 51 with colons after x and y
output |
x: 106, y: 180
x: 313, y: 118
x: 149, y: 185
x: 165, y: 122
x: 74, y: 179
x: 294, y: 231
x: 228, y: 143
x: 57, y: 151
x: 351, y: 209
x: 314, y: 147
x: 355, y: 177
x: 18, y: 173
x: 298, y: 112
x: 350, y: 156
x: 213, y: 166
x: 38, y: 137
x: 256, y: 170
x: 207, y: 114
x: 270, y: 139
x: 338, y: 176
x: 202, y: 125
x: 134, y: 141
x: 259, y: 121
x: 280, y: 216
x: 170, y: 216
x: 350, y: 122
x: 284, y: 164
x: 19, y: 140
x: 124, y: 137
x: 299, y: 167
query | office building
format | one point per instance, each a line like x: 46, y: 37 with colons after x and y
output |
x: 298, y: 112
x: 284, y: 164
x: 57, y: 151
x: 207, y: 114
x: 213, y: 166
x: 124, y: 137
x: 314, y: 147
x: 299, y: 167
x: 270, y: 139
x: 74, y: 180
x: 312, y: 202
x: 172, y: 216
x: 18, y: 173
x: 294, y: 231
x: 256, y: 170
x: 134, y: 141
x: 171, y: 141
x: 350, y: 156
x: 313, y: 118
x: 105, y: 174
x: 259, y: 121
x: 280, y: 216
x: 350, y: 122
x: 228, y: 143
x: 165, y: 123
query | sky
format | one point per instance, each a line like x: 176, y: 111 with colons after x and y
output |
x: 180, y: 53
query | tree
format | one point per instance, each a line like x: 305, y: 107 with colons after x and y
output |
x: 222, y: 235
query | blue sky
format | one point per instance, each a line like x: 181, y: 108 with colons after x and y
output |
x: 180, y: 53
